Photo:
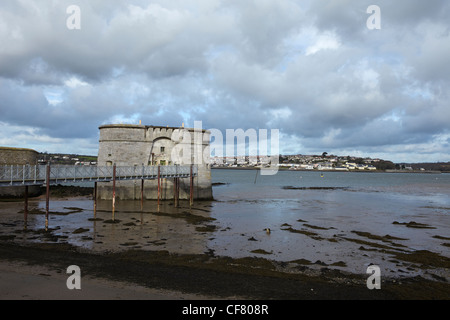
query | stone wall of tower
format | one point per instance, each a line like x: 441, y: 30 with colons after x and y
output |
x: 137, y: 145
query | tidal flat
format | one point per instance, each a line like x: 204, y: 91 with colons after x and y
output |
x: 315, y: 240
x: 149, y: 247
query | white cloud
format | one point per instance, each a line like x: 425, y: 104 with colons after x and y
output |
x: 323, y: 41
x: 74, y: 82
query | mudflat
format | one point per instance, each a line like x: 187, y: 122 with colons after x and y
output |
x: 150, y: 254
x: 201, y: 276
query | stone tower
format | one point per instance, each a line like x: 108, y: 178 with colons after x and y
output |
x: 137, y: 145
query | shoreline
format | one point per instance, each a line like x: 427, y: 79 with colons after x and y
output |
x: 222, y: 278
x: 345, y: 171
x: 20, y: 280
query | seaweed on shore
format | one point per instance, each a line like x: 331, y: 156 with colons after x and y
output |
x: 313, y: 188
x: 317, y: 227
x: 112, y: 221
x: 189, y: 217
x: 70, y: 210
x: 310, y: 234
x: 250, y: 277
x: 301, y: 261
x: 413, y: 224
x: 80, y: 230
x: 62, y: 191
x: 215, y: 184
x: 260, y: 251
x: 440, y: 237
x: 386, y: 238
x: 207, y: 228
x: 425, y: 258
x: 370, y: 244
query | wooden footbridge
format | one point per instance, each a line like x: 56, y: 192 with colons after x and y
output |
x: 46, y: 175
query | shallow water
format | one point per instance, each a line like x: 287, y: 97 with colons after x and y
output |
x: 342, y: 220
x: 361, y: 202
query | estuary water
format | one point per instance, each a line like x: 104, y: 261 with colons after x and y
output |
x: 343, y: 220
x: 333, y: 217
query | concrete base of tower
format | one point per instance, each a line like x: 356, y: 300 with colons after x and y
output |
x: 131, y: 190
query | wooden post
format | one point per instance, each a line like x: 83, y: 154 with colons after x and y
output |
x: 95, y: 198
x: 176, y: 186
x: 191, y: 188
x: 177, y: 191
x: 159, y: 185
x: 47, y: 196
x: 174, y: 192
x: 142, y: 194
x: 25, y: 209
x: 114, y: 192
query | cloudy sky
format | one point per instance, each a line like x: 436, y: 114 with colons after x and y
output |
x: 312, y: 69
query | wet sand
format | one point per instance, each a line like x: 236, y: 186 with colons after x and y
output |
x: 137, y: 274
x: 23, y: 281
x: 171, y: 250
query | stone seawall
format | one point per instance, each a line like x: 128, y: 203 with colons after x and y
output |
x: 15, y: 156
x: 18, y: 156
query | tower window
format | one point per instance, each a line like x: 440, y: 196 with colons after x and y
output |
x: 162, y: 149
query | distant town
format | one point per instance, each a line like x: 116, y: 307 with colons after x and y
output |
x: 66, y: 159
x: 325, y: 162
x: 322, y: 162
x: 304, y: 162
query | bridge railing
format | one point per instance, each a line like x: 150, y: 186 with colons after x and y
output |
x: 14, y: 175
x: 21, y: 174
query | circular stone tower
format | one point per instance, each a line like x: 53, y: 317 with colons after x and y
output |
x: 137, y: 145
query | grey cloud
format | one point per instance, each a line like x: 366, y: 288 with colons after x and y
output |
x: 312, y: 70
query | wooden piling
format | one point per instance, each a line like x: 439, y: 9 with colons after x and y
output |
x: 114, y: 193
x: 178, y: 192
x: 47, y: 196
x: 159, y: 185
x: 191, y: 188
x: 25, y: 209
x: 95, y: 198
x: 142, y: 194
x: 175, y: 192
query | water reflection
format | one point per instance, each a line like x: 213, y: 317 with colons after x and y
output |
x: 170, y: 228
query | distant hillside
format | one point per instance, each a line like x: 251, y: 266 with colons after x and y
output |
x: 69, y: 159
x: 436, y: 166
